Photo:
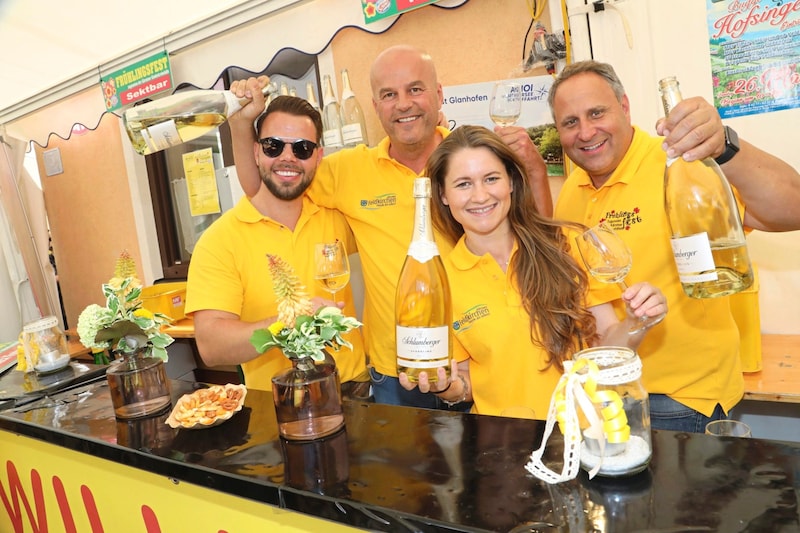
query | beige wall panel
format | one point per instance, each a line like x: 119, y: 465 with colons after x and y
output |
x: 480, y: 41
x: 90, y: 213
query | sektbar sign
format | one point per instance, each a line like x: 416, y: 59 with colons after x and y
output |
x: 136, y: 82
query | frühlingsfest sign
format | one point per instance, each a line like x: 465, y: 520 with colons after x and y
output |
x: 375, y: 10
x: 137, y: 82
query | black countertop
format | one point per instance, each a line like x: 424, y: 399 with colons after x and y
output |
x: 403, y: 469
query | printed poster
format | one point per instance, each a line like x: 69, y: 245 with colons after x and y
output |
x: 201, y: 182
x: 469, y: 104
x: 755, y: 46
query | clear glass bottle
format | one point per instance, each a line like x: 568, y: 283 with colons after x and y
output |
x: 620, y: 443
x: 331, y: 119
x: 311, y: 96
x: 354, y: 127
x: 422, y: 302
x: 708, y: 241
x: 173, y: 120
x: 284, y: 89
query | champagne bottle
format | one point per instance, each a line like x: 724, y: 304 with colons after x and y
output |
x: 354, y: 128
x: 331, y: 121
x: 311, y: 97
x: 708, y: 241
x: 175, y: 119
x: 422, y: 302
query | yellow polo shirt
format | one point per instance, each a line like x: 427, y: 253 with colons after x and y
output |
x: 492, y: 327
x: 229, y: 272
x: 375, y: 194
x: 693, y: 355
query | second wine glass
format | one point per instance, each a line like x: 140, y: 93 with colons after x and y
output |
x: 506, y: 103
x: 331, y: 266
x: 609, y: 260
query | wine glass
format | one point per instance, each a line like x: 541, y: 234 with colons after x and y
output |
x: 609, y: 260
x: 506, y: 104
x: 331, y: 266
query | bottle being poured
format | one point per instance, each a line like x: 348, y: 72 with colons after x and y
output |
x: 708, y: 241
x: 179, y: 118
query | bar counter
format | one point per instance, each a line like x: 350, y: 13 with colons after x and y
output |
x: 390, y: 469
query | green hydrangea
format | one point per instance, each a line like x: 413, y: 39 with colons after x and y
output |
x: 91, y: 320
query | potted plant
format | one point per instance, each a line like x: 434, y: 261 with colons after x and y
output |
x: 137, y: 377
x: 307, y: 397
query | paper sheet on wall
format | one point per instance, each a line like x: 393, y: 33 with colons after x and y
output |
x: 201, y: 182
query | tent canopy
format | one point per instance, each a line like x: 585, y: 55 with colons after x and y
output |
x: 63, y: 50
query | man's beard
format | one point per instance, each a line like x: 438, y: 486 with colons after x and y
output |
x: 285, y: 191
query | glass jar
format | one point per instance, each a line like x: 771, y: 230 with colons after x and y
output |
x: 45, y: 344
x: 308, y: 399
x: 619, y: 443
x: 138, y: 385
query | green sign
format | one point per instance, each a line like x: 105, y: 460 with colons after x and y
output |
x: 137, y: 82
x: 380, y: 9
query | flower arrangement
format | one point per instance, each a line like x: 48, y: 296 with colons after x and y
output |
x: 299, y: 331
x: 123, y: 324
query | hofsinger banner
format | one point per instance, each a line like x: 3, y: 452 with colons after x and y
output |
x: 755, y: 47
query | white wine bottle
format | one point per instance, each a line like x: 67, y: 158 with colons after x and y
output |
x: 354, y: 128
x: 175, y: 119
x: 331, y: 121
x: 708, y: 241
x: 311, y: 98
x: 422, y: 303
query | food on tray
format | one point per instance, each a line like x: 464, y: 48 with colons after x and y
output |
x: 207, y: 407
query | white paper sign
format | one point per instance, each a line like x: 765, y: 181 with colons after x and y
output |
x: 469, y: 104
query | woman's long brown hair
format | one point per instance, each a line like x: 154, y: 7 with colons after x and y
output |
x: 550, y: 282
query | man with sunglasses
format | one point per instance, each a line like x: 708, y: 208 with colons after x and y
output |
x: 372, y: 187
x: 229, y: 289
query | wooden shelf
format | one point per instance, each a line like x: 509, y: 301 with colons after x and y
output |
x: 779, y: 378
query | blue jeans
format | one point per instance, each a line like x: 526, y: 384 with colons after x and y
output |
x: 387, y: 389
x: 666, y: 413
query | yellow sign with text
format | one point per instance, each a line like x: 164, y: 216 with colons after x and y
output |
x: 47, y: 488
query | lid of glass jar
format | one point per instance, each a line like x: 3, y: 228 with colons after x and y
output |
x: 40, y: 325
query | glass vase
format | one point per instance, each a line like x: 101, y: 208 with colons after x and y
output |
x: 308, y: 399
x: 138, y: 384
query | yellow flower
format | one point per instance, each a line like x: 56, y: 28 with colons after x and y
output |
x: 276, y: 327
x: 142, y: 312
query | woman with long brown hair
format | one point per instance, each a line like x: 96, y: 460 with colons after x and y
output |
x: 521, y: 297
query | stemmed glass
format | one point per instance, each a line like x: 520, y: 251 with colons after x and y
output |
x: 609, y: 260
x: 506, y: 104
x: 331, y: 266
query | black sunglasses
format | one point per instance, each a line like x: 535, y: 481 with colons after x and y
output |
x: 273, y: 147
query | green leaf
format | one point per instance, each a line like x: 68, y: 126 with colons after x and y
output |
x: 327, y: 332
x: 262, y: 340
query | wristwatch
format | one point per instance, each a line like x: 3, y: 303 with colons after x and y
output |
x: 731, y: 146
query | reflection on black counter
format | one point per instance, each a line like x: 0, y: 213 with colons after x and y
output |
x: 149, y: 434
x: 404, y: 469
x: 320, y: 466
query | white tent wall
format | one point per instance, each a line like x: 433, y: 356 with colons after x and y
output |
x: 26, y: 269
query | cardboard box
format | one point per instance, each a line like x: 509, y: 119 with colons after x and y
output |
x: 166, y: 298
